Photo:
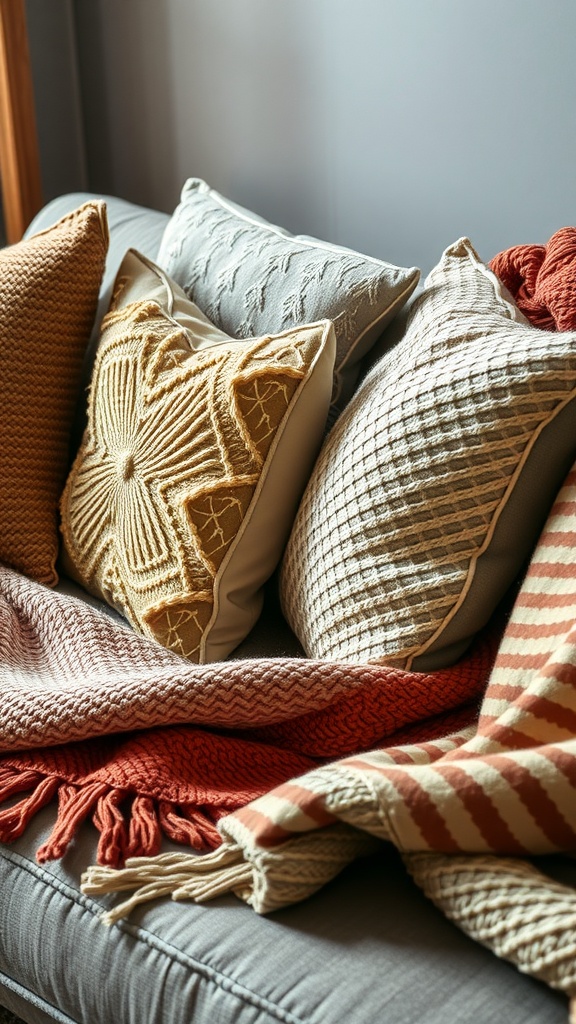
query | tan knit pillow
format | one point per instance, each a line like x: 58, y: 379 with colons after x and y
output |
x: 49, y: 286
x: 197, y: 450
x: 430, y: 492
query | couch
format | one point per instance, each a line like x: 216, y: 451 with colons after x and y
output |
x: 367, y: 946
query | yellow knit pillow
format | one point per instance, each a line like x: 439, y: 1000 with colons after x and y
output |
x: 49, y: 286
x: 197, y: 449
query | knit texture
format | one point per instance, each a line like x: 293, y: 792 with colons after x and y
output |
x: 49, y: 286
x: 502, y: 786
x: 249, y: 276
x: 511, y: 907
x: 542, y: 280
x: 69, y: 672
x: 182, y: 494
x: 432, y: 487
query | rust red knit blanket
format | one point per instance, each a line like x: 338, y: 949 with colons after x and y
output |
x: 542, y: 280
x: 119, y: 730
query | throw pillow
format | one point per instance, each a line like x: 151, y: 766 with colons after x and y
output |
x: 250, y: 276
x: 49, y: 286
x: 197, y: 450
x: 542, y: 279
x: 430, y: 492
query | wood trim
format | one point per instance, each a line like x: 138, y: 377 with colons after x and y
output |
x: 19, y: 154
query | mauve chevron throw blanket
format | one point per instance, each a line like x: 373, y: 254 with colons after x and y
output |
x: 83, y: 698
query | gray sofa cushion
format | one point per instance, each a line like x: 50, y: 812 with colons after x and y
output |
x: 367, y: 948
x: 130, y: 226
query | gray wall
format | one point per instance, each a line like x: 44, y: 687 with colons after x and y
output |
x: 53, y: 55
x: 386, y: 125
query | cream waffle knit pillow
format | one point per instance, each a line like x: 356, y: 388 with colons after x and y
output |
x: 430, y: 491
x: 197, y: 450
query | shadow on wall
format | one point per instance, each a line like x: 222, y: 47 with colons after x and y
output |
x: 391, y: 128
x: 57, y: 96
x: 126, y: 85
x: 230, y: 92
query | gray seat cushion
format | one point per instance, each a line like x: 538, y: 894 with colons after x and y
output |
x: 367, y: 948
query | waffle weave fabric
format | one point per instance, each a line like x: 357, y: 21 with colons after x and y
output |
x: 430, y: 491
x: 49, y: 286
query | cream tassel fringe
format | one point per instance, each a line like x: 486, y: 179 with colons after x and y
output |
x: 179, y: 875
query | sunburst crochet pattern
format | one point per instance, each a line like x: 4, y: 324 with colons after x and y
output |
x: 162, y: 513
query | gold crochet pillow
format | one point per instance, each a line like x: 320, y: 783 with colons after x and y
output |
x: 197, y: 450
x: 49, y: 286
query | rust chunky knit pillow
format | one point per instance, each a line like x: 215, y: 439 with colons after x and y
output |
x: 196, y: 452
x: 49, y: 286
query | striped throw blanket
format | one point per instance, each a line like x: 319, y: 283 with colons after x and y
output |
x: 463, y: 809
x: 465, y: 798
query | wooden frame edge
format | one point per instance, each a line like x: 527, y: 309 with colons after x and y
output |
x: 19, y: 152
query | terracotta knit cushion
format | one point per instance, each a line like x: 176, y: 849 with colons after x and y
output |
x: 49, y: 286
x: 430, y: 491
x: 542, y: 280
x: 197, y: 450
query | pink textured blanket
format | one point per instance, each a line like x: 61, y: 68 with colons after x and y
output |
x: 85, y: 705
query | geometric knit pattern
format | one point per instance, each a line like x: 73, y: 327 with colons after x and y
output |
x: 511, y: 907
x: 178, y: 446
x: 432, y: 487
x: 86, y: 677
x: 249, y: 277
x: 49, y: 286
x: 542, y: 280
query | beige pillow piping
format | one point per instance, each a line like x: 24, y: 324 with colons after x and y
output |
x: 305, y: 417
x: 502, y: 506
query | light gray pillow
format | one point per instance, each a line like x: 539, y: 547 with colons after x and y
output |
x: 250, y: 277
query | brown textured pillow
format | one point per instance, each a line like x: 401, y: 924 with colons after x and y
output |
x: 49, y: 286
x: 197, y: 450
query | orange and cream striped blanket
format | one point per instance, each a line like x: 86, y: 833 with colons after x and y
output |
x: 465, y: 798
x: 464, y: 809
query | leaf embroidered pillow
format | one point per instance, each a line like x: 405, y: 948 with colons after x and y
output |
x: 250, y: 276
x: 197, y: 450
x: 429, y: 494
x: 49, y: 285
